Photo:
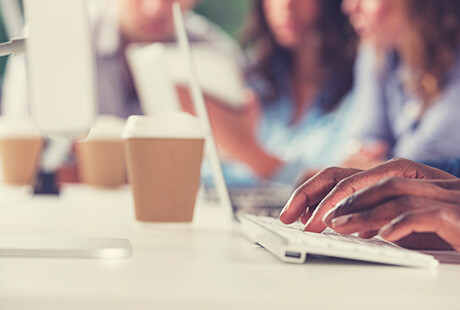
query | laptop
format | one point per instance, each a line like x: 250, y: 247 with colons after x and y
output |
x: 291, y: 243
x: 267, y: 200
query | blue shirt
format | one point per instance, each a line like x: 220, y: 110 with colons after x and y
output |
x: 451, y: 166
x: 387, y: 112
x: 319, y: 139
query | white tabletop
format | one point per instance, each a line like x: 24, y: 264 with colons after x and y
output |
x: 205, y: 265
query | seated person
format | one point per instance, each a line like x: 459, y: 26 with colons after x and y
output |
x: 407, y: 80
x: 398, y: 200
x: 115, y: 24
x: 299, y: 109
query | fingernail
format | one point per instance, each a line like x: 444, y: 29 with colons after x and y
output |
x: 288, y: 203
x: 385, y: 231
x: 299, y: 200
x: 284, y: 209
x: 340, y: 221
x: 310, y: 220
x: 329, y: 216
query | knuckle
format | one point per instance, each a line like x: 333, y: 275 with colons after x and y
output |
x: 330, y: 171
x: 398, y: 160
x: 344, y: 185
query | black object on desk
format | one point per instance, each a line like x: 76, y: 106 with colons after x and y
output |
x: 46, y: 184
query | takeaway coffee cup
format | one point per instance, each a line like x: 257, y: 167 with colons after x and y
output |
x: 100, y: 156
x: 20, y: 149
x: 163, y: 156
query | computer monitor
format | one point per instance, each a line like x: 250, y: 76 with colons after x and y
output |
x: 60, y: 65
x: 62, y: 91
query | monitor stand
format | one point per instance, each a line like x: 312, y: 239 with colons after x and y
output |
x: 65, y: 247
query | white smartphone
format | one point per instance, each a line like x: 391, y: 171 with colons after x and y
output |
x: 219, y: 73
x: 60, y: 64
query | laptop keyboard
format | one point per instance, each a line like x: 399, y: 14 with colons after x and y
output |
x: 331, y: 241
x: 264, y: 201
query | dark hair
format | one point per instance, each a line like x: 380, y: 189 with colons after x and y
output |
x: 432, y: 43
x: 337, y: 49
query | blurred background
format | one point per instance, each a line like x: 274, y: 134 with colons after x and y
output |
x: 229, y: 15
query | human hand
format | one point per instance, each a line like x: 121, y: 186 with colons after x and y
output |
x: 312, y: 200
x: 397, y: 207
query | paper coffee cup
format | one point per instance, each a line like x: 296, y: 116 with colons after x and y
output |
x: 100, y: 156
x: 20, y: 150
x: 164, y: 155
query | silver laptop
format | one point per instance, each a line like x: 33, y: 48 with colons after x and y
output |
x: 290, y: 244
x: 266, y: 200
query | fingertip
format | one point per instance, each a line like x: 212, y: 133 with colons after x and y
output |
x: 295, y: 207
x: 315, y: 227
x: 387, y: 233
x: 284, y: 219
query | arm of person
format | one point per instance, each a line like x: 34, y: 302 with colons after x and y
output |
x: 235, y: 131
x: 313, y: 199
x: 372, y: 129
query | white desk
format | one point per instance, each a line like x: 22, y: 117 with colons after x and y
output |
x: 208, y: 265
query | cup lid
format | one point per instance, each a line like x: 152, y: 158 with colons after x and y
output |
x: 106, y: 127
x: 13, y: 127
x: 167, y: 125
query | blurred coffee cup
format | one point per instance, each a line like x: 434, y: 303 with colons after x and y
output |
x: 163, y: 156
x: 20, y: 150
x: 100, y: 156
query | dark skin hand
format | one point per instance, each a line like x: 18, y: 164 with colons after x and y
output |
x: 397, y: 200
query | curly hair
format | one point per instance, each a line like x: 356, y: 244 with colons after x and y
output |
x: 431, y: 45
x: 337, y: 49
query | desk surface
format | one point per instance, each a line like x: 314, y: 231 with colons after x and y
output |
x: 207, y: 264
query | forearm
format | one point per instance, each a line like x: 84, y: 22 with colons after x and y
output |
x: 264, y: 164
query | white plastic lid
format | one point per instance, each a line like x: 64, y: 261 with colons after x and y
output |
x: 106, y: 127
x: 17, y: 128
x: 169, y: 125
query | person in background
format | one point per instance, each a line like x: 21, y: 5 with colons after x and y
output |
x: 407, y: 81
x: 298, y: 111
x: 115, y: 24
x: 417, y: 115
